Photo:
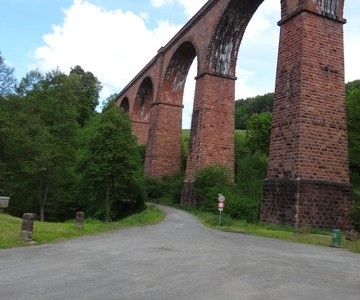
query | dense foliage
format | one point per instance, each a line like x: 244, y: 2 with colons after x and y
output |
x: 58, y: 155
x: 245, y: 108
x: 109, y: 165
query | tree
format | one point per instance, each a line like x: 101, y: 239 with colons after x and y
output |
x: 110, y: 163
x: 7, y: 79
x: 29, y: 82
x: 41, y: 141
x: 88, y: 88
x: 258, y: 132
x: 353, y: 123
x: 246, y: 108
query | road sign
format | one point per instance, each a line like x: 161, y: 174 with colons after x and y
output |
x: 221, y: 198
x: 221, y: 205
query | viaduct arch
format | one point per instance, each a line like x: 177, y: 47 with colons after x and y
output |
x: 308, y: 178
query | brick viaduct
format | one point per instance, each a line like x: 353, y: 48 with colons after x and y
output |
x: 308, y: 175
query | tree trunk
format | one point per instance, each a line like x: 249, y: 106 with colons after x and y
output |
x: 42, y: 195
x: 42, y: 212
x: 108, y: 200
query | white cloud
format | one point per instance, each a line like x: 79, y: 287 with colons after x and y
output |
x: 160, y: 3
x: 192, y: 6
x: 113, y: 45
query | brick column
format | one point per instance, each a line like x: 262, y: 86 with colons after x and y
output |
x: 163, y: 154
x: 140, y: 130
x: 212, y: 129
x: 308, y: 174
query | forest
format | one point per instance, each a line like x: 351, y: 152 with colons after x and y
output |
x: 59, y: 155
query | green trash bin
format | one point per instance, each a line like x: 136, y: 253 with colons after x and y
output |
x: 336, y: 238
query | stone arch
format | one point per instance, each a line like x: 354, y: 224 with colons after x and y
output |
x: 212, y: 130
x: 140, y: 109
x: 228, y: 34
x: 124, y: 104
x: 177, y: 71
x: 143, y: 101
x: 164, y: 147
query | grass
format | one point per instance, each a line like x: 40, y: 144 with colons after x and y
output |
x: 52, y: 232
x: 306, y: 235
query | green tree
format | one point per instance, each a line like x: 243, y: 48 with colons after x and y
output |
x: 258, y: 132
x: 41, y: 141
x: 353, y: 123
x: 88, y: 89
x: 110, y: 164
x: 29, y: 82
x: 7, y: 78
x: 245, y: 108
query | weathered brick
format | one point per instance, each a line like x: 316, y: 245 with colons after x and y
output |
x: 308, y: 161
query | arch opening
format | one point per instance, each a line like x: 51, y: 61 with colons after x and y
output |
x: 177, y: 73
x: 125, y: 105
x: 144, y: 99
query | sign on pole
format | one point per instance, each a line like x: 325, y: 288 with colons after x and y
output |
x: 221, y: 205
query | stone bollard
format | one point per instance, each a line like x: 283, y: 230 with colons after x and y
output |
x: 79, y: 220
x: 26, y: 233
x: 4, y: 203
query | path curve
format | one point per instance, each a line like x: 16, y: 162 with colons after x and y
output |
x: 178, y: 259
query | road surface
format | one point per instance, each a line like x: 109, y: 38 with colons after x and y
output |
x: 178, y: 259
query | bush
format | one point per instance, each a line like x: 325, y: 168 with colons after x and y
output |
x: 213, y: 176
x: 166, y: 190
x: 250, y: 175
x: 211, y: 181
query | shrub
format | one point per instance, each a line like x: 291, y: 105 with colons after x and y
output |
x: 211, y: 181
x: 166, y: 190
x: 251, y: 172
x: 213, y: 176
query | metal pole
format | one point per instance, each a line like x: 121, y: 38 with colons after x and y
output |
x: 220, y: 218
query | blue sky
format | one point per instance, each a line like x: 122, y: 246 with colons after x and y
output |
x: 114, y: 39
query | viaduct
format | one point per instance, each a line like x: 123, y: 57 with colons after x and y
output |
x: 307, y: 183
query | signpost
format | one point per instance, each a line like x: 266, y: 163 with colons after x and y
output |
x: 221, y: 205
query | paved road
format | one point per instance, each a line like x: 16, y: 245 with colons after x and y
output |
x: 178, y: 259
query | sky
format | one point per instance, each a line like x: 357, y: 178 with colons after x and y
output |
x: 115, y: 39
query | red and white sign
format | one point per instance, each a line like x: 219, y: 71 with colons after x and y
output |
x: 221, y: 204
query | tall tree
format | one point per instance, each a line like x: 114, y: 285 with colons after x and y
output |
x: 246, y: 108
x: 88, y: 90
x: 41, y: 142
x: 7, y: 78
x: 258, y: 132
x: 110, y: 161
x: 353, y: 123
x: 29, y: 82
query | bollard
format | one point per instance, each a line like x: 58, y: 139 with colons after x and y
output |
x: 79, y: 220
x: 4, y: 203
x: 336, y: 238
x: 26, y: 233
